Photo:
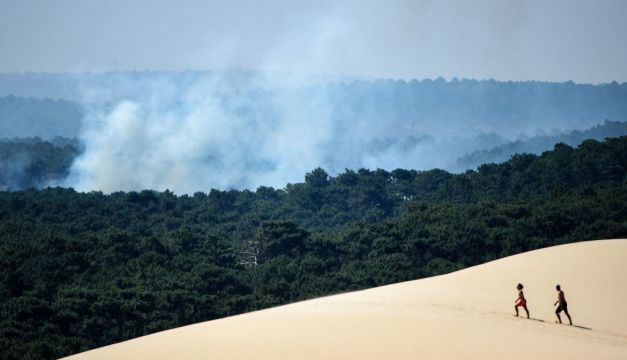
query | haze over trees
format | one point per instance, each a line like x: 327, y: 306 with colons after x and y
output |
x: 540, y: 143
x: 243, y: 129
x: 33, y: 162
x: 45, y: 118
x: 435, y: 107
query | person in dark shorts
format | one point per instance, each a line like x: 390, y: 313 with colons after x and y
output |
x: 563, y: 305
x: 521, y: 301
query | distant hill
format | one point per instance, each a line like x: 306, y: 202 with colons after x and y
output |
x: 539, y: 144
x: 388, y: 107
x: 45, y: 118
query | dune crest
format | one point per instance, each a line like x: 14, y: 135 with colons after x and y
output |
x: 466, y: 314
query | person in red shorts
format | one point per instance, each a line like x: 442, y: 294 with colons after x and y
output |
x: 521, y: 301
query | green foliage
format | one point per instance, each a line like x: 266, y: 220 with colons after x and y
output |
x: 82, y: 270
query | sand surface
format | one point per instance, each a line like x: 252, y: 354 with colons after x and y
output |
x: 467, y: 314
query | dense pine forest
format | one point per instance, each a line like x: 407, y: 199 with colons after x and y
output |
x: 82, y: 270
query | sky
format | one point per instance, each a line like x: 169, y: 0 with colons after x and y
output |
x: 554, y: 40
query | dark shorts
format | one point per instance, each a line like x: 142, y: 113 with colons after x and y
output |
x: 562, y: 307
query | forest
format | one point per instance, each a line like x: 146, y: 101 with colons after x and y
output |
x: 87, y: 269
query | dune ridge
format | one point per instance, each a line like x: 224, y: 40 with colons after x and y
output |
x: 468, y: 313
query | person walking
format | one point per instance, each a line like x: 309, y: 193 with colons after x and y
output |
x: 563, y: 305
x: 521, y: 301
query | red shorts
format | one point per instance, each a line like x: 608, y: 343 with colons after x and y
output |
x: 521, y: 303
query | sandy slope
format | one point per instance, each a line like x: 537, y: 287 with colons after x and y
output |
x: 466, y: 314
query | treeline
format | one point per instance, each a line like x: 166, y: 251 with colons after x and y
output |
x: 540, y: 143
x: 82, y: 270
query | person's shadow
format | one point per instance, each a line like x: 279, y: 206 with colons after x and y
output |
x: 538, y: 320
x: 577, y: 326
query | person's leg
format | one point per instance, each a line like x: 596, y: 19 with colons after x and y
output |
x: 568, y: 315
x: 516, y: 308
x: 557, y: 312
x: 526, y: 310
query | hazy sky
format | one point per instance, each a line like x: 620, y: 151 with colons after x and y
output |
x: 584, y: 41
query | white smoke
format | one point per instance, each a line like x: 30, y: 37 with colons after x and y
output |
x: 202, y: 139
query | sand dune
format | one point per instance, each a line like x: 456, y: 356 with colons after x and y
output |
x: 466, y: 314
